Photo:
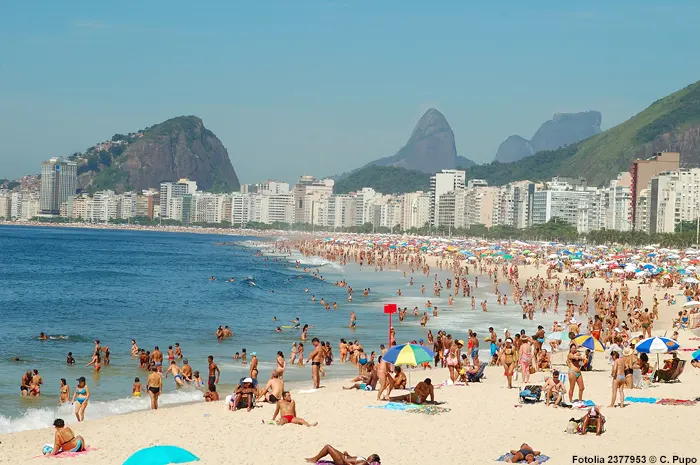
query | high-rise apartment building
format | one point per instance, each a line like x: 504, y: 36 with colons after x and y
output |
x: 442, y: 183
x: 643, y: 170
x: 59, y: 180
x: 172, y: 190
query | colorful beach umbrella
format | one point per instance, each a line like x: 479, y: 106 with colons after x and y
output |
x: 161, y: 455
x: 589, y: 342
x: 657, y: 345
x: 408, y: 354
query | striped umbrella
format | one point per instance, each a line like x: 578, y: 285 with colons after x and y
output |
x: 696, y: 355
x: 657, y: 345
x: 408, y: 354
x: 589, y: 342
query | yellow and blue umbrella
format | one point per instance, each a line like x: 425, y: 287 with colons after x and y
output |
x: 589, y: 342
x: 408, y: 354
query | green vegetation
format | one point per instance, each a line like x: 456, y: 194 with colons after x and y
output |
x: 541, y: 166
x: 384, y: 179
x: 601, y: 157
x: 112, y: 178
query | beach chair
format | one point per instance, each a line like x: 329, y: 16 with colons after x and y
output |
x: 530, y: 394
x: 675, y: 376
x: 476, y: 378
x: 669, y: 375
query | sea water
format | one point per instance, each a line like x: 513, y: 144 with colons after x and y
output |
x: 78, y: 285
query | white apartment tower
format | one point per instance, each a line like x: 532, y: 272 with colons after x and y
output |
x: 442, y: 183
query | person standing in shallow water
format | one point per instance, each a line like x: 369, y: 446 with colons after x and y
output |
x: 316, y: 358
x: 82, y: 395
x: 154, y: 385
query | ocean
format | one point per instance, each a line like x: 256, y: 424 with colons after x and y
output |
x: 78, y: 285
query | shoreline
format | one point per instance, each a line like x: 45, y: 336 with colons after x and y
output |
x: 486, y: 409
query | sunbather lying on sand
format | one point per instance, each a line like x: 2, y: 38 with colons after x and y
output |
x: 343, y: 458
x: 524, y: 453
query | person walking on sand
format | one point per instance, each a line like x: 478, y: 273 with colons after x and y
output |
x: 618, y: 376
x: 574, y: 360
x: 154, y: 386
x: 316, y: 358
x: 286, y: 408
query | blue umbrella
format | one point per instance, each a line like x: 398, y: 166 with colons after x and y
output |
x: 161, y: 455
x: 657, y: 345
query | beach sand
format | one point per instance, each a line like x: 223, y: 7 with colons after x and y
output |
x: 485, y: 421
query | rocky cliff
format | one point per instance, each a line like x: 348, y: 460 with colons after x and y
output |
x: 177, y: 148
x: 430, y: 148
x: 563, y: 129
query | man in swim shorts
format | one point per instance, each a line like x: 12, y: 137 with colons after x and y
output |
x: 157, y: 359
x: 154, y: 385
x: 272, y: 392
x: 287, y: 410
x: 316, y: 358
x: 175, y: 370
x: 214, y: 372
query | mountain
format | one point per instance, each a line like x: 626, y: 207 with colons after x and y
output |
x: 463, y: 162
x: 671, y: 124
x: 563, y: 129
x: 177, y: 148
x: 384, y: 179
x: 430, y: 148
x: 514, y: 148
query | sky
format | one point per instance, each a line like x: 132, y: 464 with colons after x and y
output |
x: 321, y: 87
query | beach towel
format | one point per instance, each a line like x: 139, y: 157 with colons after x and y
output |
x: 506, y: 458
x: 583, y: 404
x: 676, y: 402
x: 64, y: 455
x: 397, y: 406
x: 428, y: 410
x: 307, y: 391
x: 641, y: 400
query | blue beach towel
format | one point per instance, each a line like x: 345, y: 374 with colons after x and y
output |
x: 538, y: 458
x: 398, y: 406
x: 641, y: 400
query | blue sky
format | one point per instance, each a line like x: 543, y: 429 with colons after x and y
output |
x: 324, y: 86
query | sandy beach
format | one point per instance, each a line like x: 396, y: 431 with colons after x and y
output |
x: 484, y: 421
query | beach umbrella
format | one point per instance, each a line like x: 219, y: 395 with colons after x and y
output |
x: 589, y: 342
x: 696, y: 354
x: 408, y: 354
x: 657, y: 345
x: 691, y: 281
x: 559, y: 336
x: 161, y: 455
x: 692, y: 303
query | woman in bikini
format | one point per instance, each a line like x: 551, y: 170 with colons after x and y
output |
x: 304, y: 330
x: 64, y: 392
x: 618, y: 376
x: 507, y: 359
x: 525, y: 357
x: 574, y: 360
x: 95, y: 362
x: 343, y: 458
x: 281, y: 364
x: 300, y: 354
x: 453, y: 358
x: 65, y: 440
x: 293, y: 354
x: 82, y: 395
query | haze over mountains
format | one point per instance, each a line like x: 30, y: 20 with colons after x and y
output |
x: 563, y: 129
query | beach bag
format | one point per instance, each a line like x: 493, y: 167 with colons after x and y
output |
x: 572, y: 427
x: 532, y: 370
